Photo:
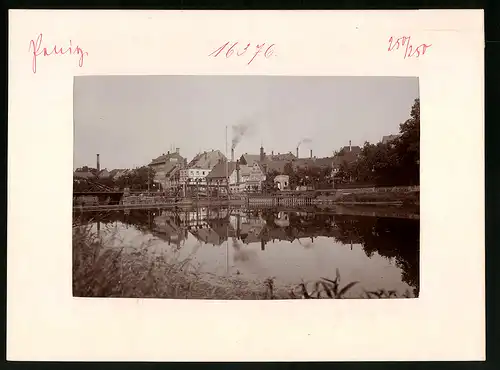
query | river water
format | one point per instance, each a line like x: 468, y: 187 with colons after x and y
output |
x: 381, y: 253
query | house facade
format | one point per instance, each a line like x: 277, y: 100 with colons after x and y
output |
x: 200, y: 166
x: 167, y: 167
x: 255, y: 178
x: 282, y: 182
x: 230, y: 174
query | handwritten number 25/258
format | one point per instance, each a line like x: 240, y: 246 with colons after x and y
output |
x: 241, y: 50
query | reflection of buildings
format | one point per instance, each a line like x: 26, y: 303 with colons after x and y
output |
x: 212, y: 226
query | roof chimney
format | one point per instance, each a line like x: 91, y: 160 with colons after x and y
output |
x: 232, y: 154
x: 98, y: 164
x: 177, y: 150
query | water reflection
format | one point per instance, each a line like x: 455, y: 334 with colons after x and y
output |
x: 381, y: 253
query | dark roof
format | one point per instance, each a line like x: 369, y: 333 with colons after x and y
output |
x: 250, y: 159
x: 354, y: 149
x: 219, y: 171
x: 84, y: 175
x: 278, y: 166
x: 164, y: 157
x: 388, y: 138
x: 207, y: 160
x: 282, y: 157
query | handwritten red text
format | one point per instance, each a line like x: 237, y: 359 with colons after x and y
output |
x: 37, y: 50
x: 409, y: 49
x: 229, y: 49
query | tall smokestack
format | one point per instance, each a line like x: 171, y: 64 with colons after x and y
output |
x: 349, y: 145
x: 98, y: 164
x: 262, y: 154
x: 237, y: 172
x: 297, y: 152
x: 311, y: 153
x: 232, y: 154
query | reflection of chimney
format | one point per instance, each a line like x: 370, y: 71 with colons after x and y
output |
x: 237, y: 172
x: 238, y: 226
x: 98, y: 164
x: 349, y: 145
x: 297, y: 152
x: 311, y: 153
x: 232, y: 154
x: 262, y: 244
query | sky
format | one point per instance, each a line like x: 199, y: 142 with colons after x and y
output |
x: 129, y: 120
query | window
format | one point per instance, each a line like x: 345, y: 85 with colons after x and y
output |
x: 203, y: 173
x: 197, y: 172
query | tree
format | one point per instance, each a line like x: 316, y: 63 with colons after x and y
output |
x: 268, y: 186
x: 389, y: 164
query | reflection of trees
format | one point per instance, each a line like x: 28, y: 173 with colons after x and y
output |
x: 389, y: 237
x: 140, y: 218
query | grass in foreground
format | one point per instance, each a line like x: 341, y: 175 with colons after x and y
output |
x: 100, y: 272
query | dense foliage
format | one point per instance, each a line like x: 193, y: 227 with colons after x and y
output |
x: 137, y: 179
x: 394, y: 163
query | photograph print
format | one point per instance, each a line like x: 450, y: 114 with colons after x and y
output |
x: 246, y: 187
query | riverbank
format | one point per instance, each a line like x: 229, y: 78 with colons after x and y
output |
x: 99, y: 271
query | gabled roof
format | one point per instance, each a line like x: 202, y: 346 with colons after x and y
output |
x: 166, y: 157
x: 353, y: 149
x: 219, y: 171
x: 84, y: 175
x: 245, y: 170
x: 388, y: 138
x: 278, y: 166
x: 282, y: 157
x: 250, y: 159
x: 207, y: 160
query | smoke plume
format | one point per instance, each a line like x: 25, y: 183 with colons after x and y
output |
x: 239, y: 131
x: 304, y: 141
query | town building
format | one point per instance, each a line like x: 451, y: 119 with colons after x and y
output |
x: 256, y: 178
x: 388, y: 138
x: 200, y: 166
x: 167, y: 169
x: 232, y: 174
x: 282, y: 182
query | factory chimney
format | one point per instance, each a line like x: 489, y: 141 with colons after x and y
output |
x: 98, y: 164
x: 311, y: 153
x: 297, y: 152
x: 237, y: 172
x: 349, y: 145
x: 232, y: 154
x: 262, y: 154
